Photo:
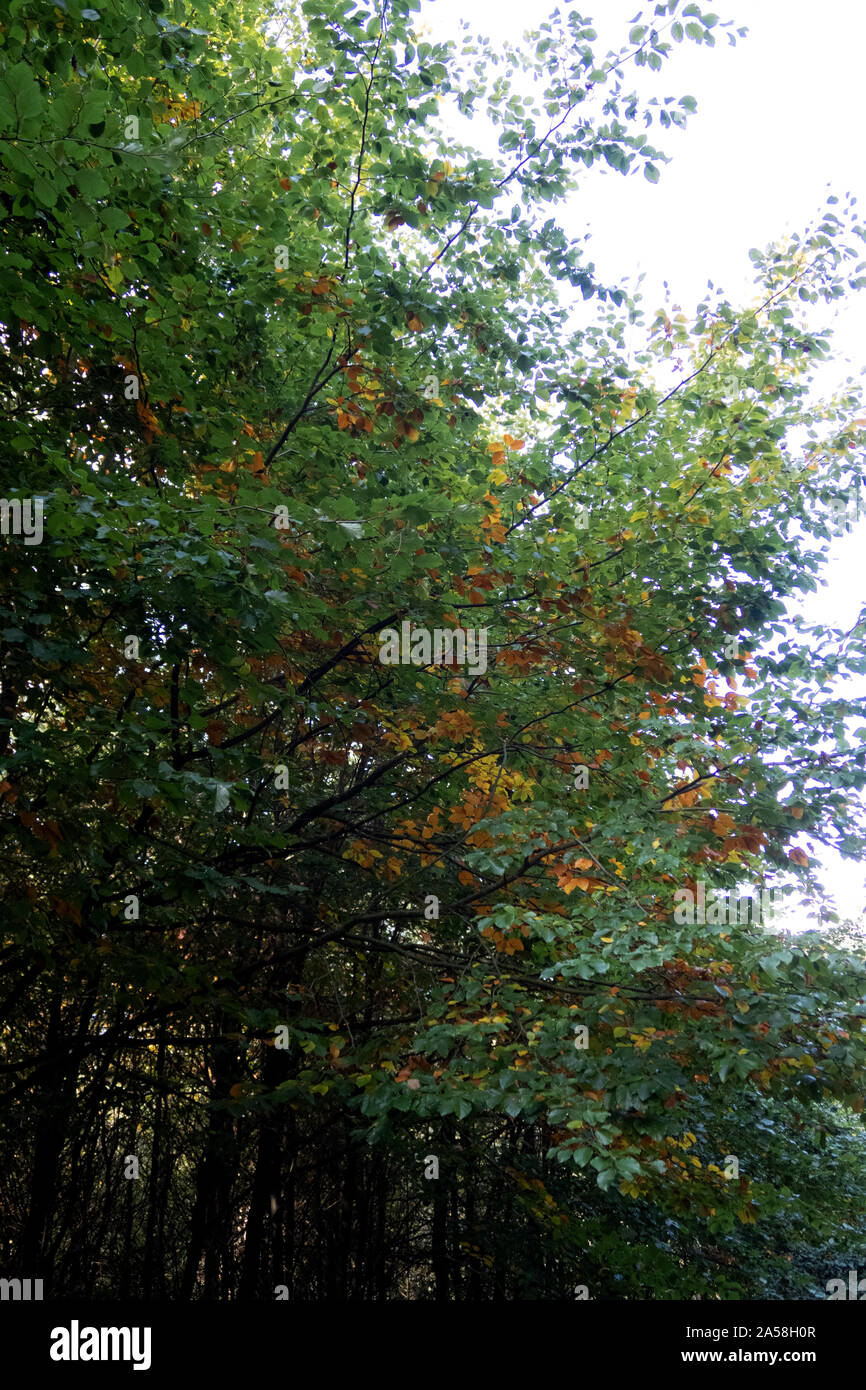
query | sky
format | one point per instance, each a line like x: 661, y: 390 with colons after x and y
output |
x: 779, y: 125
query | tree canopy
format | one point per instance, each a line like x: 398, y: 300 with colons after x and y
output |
x: 405, y: 734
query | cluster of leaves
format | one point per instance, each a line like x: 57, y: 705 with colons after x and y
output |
x: 289, y: 368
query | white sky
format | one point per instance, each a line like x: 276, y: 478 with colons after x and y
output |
x: 779, y: 125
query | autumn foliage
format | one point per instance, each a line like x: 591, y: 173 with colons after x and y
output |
x: 364, y: 395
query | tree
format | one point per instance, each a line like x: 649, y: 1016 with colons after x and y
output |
x: 401, y: 673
